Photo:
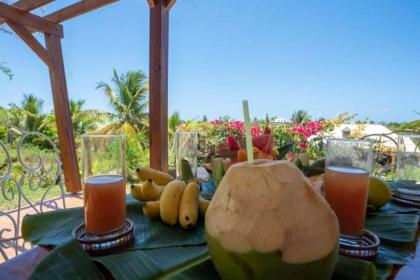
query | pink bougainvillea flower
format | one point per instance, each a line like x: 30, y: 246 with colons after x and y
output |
x: 255, y: 131
x: 290, y: 155
x: 216, y: 122
x: 236, y: 126
x: 303, y: 145
x: 308, y: 129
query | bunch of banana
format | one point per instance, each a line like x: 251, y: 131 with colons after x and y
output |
x: 152, y: 186
x: 159, y: 177
x: 179, y: 202
x: 172, y: 200
x: 146, y: 191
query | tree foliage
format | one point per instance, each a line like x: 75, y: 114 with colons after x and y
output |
x: 173, y: 122
x: 28, y: 115
x: 128, y: 98
x: 6, y: 70
x: 300, y: 117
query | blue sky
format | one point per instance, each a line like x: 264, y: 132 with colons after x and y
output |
x: 359, y: 56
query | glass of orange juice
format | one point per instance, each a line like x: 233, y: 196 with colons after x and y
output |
x: 104, y: 180
x: 348, y: 164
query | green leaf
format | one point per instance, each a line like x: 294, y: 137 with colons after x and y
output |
x: 392, y: 254
x: 186, y: 171
x: 394, y: 227
x: 162, y: 251
x: 67, y: 261
x: 316, y: 168
x: 54, y: 228
x: 383, y: 271
x: 218, y: 170
x: 311, y: 170
x: 346, y: 268
x: 283, y: 150
x: 159, y: 249
x: 202, y: 271
x: 153, y: 264
x: 319, y: 163
x: 51, y: 228
x: 352, y: 269
x: 393, y: 208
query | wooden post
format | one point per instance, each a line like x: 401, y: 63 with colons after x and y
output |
x: 158, y: 85
x: 23, y: 22
x: 62, y: 114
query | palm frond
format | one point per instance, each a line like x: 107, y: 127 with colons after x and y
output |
x: 129, y: 102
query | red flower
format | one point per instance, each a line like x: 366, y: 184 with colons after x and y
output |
x: 303, y: 145
x: 216, y: 122
x: 290, y: 155
x: 232, y: 143
x: 255, y: 131
x: 308, y: 129
x: 236, y: 125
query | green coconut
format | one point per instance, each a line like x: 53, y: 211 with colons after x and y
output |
x: 266, y: 221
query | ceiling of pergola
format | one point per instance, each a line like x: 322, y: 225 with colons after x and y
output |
x: 20, y: 17
x: 20, y: 12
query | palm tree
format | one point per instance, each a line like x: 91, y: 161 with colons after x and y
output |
x: 82, y: 121
x: 300, y: 117
x: 173, y: 122
x: 128, y: 99
x: 28, y: 115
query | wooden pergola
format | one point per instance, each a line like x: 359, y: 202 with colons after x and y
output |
x: 20, y: 19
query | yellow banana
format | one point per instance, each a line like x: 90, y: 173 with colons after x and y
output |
x: 203, y: 204
x: 151, y: 209
x: 188, y: 208
x: 169, y: 201
x: 159, y: 177
x: 135, y: 191
x: 150, y: 191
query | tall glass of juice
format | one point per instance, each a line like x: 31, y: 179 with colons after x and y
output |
x: 104, y: 180
x: 348, y: 164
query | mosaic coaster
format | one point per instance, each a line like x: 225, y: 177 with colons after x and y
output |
x: 401, y: 197
x: 365, y: 248
x: 102, y: 244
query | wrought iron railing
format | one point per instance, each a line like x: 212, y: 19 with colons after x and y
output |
x: 31, y: 181
x: 384, y: 161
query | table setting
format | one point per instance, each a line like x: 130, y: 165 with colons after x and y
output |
x: 246, y: 213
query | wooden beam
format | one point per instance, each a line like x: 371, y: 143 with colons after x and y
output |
x: 28, y: 5
x: 31, y: 41
x: 170, y: 3
x: 30, y: 20
x: 62, y: 114
x: 151, y: 3
x: 77, y: 9
x: 158, y: 85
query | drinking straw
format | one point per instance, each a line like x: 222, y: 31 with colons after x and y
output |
x: 249, y: 150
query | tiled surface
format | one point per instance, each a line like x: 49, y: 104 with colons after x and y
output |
x: 70, y: 200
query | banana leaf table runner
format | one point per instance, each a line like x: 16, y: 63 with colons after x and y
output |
x: 162, y: 251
